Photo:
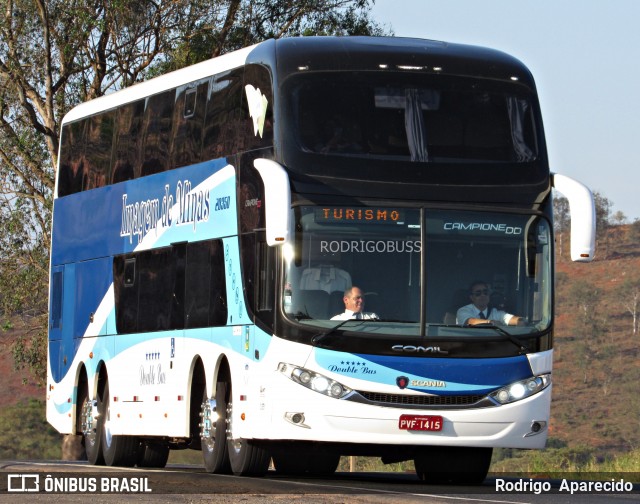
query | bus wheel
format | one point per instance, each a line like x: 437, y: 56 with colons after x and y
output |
x: 117, y: 450
x: 247, y: 457
x: 91, y: 426
x: 213, y: 425
x: 453, y: 465
x: 153, y: 454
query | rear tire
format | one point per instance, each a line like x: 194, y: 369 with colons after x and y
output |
x: 453, y: 465
x: 91, y: 425
x: 213, y: 435
x: 152, y: 454
x: 118, y: 450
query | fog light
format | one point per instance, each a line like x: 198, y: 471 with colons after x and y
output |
x: 296, y: 418
x: 537, y: 427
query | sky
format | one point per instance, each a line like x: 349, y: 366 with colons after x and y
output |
x: 585, y: 58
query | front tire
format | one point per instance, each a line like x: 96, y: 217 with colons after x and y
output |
x: 247, y: 457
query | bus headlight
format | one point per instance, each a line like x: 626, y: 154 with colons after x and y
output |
x: 314, y: 381
x: 521, y: 389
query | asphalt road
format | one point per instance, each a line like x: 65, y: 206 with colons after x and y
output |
x: 61, y: 482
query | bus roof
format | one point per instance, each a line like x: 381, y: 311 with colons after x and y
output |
x: 167, y: 81
x: 396, y: 54
x: 296, y: 54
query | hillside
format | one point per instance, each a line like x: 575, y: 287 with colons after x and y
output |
x: 596, y: 371
x: 596, y: 368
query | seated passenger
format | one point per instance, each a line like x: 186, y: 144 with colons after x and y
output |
x: 354, y: 306
x: 479, y: 311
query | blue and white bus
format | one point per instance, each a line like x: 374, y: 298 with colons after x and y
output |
x: 209, y: 224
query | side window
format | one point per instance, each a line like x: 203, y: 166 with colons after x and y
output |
x: 188, y: 119
x: 266, y: 277
x: 206, y: 303
x: 161, y: 291
x: 127, y: 137
x: 156, y: 133
x: 99, y: 143
x: 85, y: 154
x: 256, y: 130
x: 56, y: 300
x: 125, y: 286
x: 72, y: 162
x: 221, y: 121
x: 258, y: 274
x: 176, y: 287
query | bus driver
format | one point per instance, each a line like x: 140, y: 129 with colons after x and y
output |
x: 479, y: 311
x: 354, y: 306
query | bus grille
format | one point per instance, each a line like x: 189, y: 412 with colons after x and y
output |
x: 422, y: 400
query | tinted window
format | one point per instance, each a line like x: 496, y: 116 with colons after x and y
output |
x: 99, y: 143
x: 170, y: 288
x: 56, y: 300
x: 221, y: 123
x: 206, y: 285
x: 257, y: 109
x: 72, y: 161
x: 417, y: 118
x: 128, y: 133
x: 156, y: 133
x: 188, y: 118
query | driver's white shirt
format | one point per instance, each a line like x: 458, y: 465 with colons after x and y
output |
x: 348, y: 314
x: 472, y: 311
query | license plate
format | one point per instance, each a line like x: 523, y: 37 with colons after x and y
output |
x: 420, y: 423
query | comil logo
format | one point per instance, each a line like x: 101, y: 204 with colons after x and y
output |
x: 22, y: 483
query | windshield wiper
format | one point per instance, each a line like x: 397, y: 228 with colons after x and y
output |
x: 506, y: 335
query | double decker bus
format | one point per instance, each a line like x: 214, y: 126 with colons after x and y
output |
x: 209, y: 224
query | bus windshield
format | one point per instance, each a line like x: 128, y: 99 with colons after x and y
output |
x: 421, y: 118
x: 388, y: 253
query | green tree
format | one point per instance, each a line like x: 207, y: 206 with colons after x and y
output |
x: 55, y: 54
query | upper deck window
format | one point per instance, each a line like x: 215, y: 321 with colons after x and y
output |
x: 428, y: 119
